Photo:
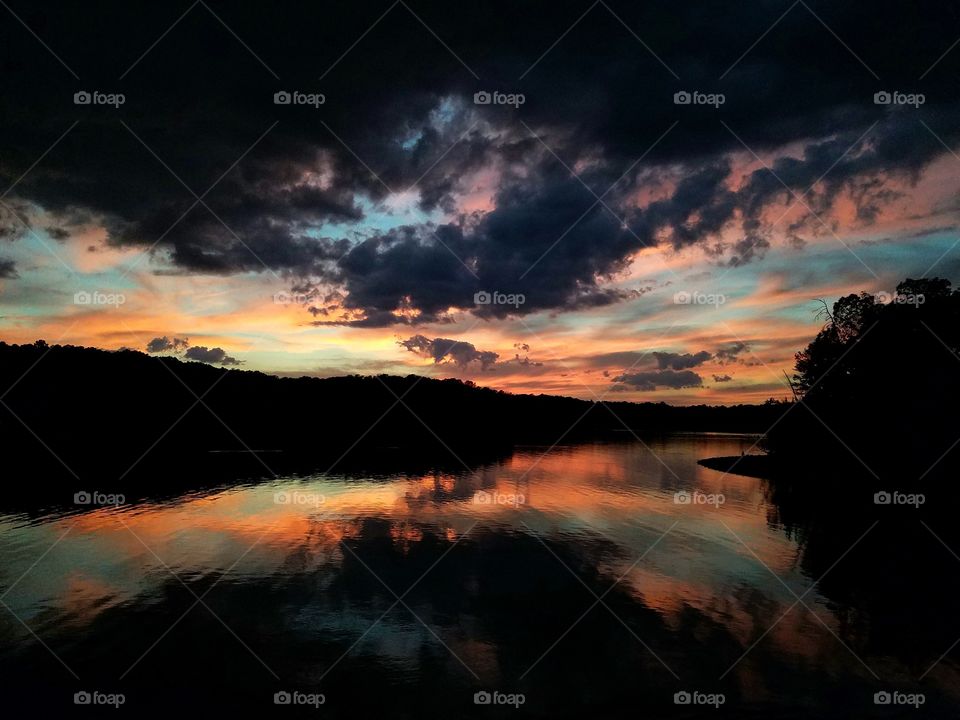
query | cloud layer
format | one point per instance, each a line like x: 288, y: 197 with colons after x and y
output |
x: 445, y: 350
x: 551, y: 200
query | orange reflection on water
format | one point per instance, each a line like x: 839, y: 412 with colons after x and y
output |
x: 616, y: 499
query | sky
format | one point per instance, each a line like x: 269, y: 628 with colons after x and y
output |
x: 596, y: 199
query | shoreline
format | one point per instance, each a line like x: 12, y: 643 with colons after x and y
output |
x: 755, y: 466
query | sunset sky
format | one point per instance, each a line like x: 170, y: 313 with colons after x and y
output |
x: 663, y: 251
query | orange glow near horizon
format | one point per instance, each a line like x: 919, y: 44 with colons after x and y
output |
x: 767, y: 308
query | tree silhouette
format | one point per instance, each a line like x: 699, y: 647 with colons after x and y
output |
x: 879, y: 384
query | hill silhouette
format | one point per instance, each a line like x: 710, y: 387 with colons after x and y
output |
x: 116, y: 415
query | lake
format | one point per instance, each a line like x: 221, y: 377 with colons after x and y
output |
x: 599, y: 580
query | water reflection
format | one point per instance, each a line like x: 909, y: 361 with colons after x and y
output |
x: 573, y: 577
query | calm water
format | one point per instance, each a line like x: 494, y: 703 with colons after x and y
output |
x: 575, y: 580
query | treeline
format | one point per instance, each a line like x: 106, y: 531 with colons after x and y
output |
x: 103, y: 412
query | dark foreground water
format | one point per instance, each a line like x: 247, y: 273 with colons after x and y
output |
x: 576, y: 583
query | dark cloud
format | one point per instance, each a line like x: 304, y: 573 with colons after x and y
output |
x: 456, y: 351
x: 298, y: 200
x: 57, y: 233
x: 523, y: 361
x: 200, y: 353
x: 212, y: 356
x: 8, y: 269
x: 678, y: 361
x: 651, y: 380
x: 730, y: 352
x: 722, y: 378
x: 14, y: 218
x: 165, y: 344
